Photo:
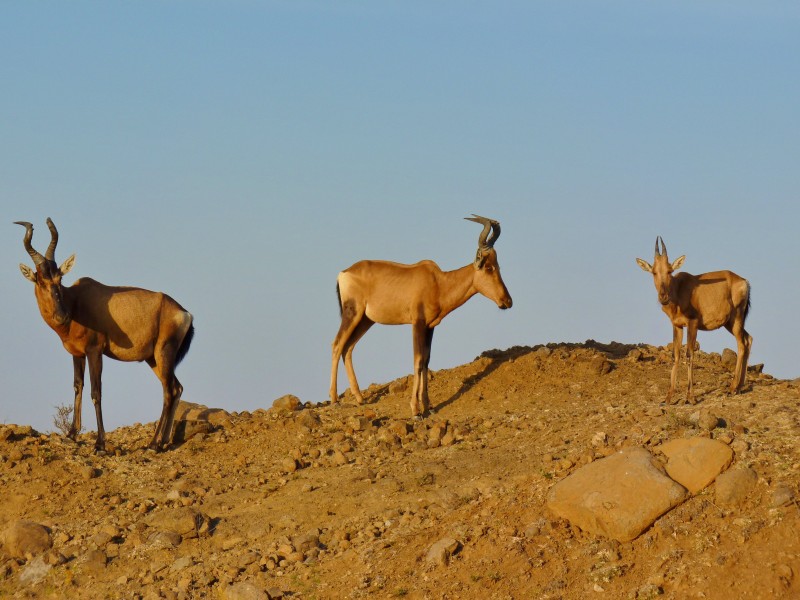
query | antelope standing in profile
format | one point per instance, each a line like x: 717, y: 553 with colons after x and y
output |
x: 124, y: 323
x: 374, y: 291
x: 701, y: 302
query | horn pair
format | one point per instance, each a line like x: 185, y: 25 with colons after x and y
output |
x: 488, y: 225
x: 663, y: 247
x: 38, y: 259
x: 484, y: 244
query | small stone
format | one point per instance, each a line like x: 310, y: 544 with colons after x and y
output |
x: 782, y: 495
x: 635, y: 355
x: 186, y: 429
x: 437, y: 431
x: 243, y: 591
x: 184, y: 521
x: 399, y: 428
x: 89, y: 472
x: 599, y: 439
x: 734, y: 486
x: 181, y: 564
x: 449, y: 437
x: 165, y: 539
x: 100, y: 539
x: 95, y: 561
x: 358, y: 423
x: 232, y: 542
x: 708, y: 421
x: 309, y: 419
x: 288, y: 403
x: 248, y: 558
x: 399, y: 386
x: 439, y: 553
x: 289, y: 465
x: 729, y: 358
x: 26, y: 538
x: 740, y: 446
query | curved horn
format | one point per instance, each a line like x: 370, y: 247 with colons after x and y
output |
x: 488, y: 224
x: 658, y: 237
x: 51, y: 249
x: 663, y: 247
x: 38, y: 259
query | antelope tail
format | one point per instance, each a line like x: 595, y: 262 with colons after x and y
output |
x: 184, y: 349
x: 747, y: 308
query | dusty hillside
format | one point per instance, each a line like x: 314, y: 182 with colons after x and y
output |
x: 349, y: 502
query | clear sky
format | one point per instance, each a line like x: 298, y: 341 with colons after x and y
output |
x: 237, y: 155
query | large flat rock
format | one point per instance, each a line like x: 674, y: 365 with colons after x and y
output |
x: 617, y: 497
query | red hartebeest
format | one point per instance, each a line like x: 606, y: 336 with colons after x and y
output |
x: 373, y: 291
x: 701, y: 302
x: 124, y: 323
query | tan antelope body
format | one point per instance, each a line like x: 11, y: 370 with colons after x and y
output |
x: 701, y: 302
x: 389, y: 293
x: 123, y: 323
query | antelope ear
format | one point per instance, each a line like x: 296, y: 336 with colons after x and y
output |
x: 678, y: 263
x: 67, y: 265
x: 644, y: 265
x: 27, y: 272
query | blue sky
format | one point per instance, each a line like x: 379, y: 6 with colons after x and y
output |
x: 238, y: 155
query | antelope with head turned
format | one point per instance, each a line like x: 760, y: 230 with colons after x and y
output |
x: 373, y: 291
x: 123, y: 323
x: 701, y: 302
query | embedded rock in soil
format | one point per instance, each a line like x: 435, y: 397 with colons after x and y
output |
x: 189, y: 411
x: 618, y: 497
x: 440, y: 553
x: 24, y: 539
x: 696, y: 462
x: 184, y: 521
x: 243, y: 591
x: 733, y: 487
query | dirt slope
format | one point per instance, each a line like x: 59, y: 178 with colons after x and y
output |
x: 347, y: 501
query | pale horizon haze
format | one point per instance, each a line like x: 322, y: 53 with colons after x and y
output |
x: 238, y: 155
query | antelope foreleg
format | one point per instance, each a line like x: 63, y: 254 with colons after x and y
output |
x: 691, y: 338
x: 79, y: 368
x: 419, y: 392
x: 95, y: 376
x: 744, y: 342
x: 677, y: 341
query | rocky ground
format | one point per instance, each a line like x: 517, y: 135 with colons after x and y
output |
x: 319, y: 501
